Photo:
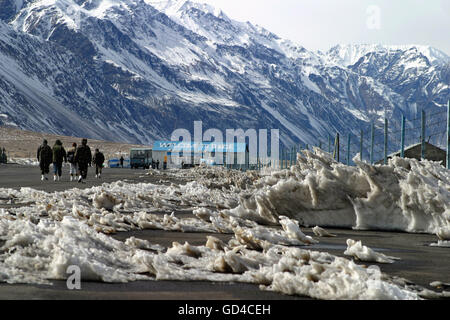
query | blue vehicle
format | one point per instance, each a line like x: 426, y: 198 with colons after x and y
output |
x: 140, y: 158
x: 115, y: 163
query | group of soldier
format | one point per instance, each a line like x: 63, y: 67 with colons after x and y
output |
x: 78, y: 157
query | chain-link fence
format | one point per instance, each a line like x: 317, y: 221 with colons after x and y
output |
x: 379, y: 142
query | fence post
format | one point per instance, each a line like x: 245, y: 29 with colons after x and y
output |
x: 280, y: 159
x: 361, y: 146
x: 295, y: 155
x: 422, y: 138
x: 290, y: 157
x: 372, y: 141
x: 336, y: 147
x: 329, y: 143
x: 286, y: 158
x: 448, y: 135
x: 385, y: 140
x: 348, y: 150
x: 402, y: 150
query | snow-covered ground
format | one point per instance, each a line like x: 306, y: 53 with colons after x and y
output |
x: 263, y: 212
x: 24, y: 161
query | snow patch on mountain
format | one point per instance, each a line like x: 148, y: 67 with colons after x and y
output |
x: 346, y: 55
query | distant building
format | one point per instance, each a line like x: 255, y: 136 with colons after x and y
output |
x: 432, y: 153
x: 177, y: 152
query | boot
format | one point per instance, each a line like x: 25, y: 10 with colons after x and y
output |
x: 54, y: 178
x: 80, y: 178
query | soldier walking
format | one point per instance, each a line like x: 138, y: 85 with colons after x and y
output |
x: 45, y: 157
x: 71, y: 159
x: 98, y: 160
x: 83, y: 159
x: 59, y: 155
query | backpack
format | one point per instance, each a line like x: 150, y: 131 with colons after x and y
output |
x: 102, y: 158
x: 70, y: 156
x: 99, y: 158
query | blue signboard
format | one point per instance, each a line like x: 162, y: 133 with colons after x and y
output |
x: 198, y: 147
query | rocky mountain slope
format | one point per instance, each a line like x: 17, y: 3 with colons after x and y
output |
x: 136, y: 70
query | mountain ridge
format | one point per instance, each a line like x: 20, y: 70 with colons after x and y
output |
x: 154, y: 72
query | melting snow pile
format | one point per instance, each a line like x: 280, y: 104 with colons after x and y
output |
x: 406, y: 195
x: 321, y: 232
x: 363, y: 253
x: 45, y: 233
x: 444, y: 238
x: 24, y: 161
x: 39, y: 252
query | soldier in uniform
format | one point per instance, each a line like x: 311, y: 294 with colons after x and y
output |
x: 83, y: 159
x: 59, y: 155
x: 98, y: 160
x: 45, y: 157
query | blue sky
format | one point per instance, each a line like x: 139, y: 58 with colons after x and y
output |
x: 320, y: 24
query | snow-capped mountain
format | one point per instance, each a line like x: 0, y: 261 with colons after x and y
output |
x: 136, y: 70
x: 420, y: 74
x: 347, y: 55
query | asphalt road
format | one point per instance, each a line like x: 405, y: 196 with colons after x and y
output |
x: 16, y: 176
x: 420, y: 263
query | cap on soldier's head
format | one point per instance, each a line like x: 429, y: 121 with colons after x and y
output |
x: 84, y: 141
x: 44, y: 141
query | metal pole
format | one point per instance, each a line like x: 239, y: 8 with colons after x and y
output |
x: 385, y: 140
x: 295, y: 155
x: 348, y: 150
x: 448, y: 135
x: 361, y: 146
x: 287, y: 158
x: 292, y: 157
x: 422, y: 156
x: 257, y: 161
x: 402, y: 150
x: 289, y: 162
x: 337, y: 146
x: 281, y: 158
x: 372, y: 142
x: 329, y: 143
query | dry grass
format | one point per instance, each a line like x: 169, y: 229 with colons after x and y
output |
x: 24, y: 144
